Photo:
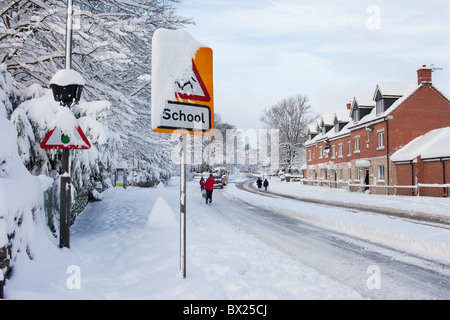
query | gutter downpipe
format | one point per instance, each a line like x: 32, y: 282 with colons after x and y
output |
x: 443, y: 177
x: 387, y: 154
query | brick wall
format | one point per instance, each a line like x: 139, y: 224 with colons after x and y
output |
x: 424, y: 111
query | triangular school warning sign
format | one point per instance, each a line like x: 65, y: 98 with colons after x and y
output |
x: 67, y: 134
x: 193, y: 88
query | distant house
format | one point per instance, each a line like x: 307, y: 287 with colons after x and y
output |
x: 365, y: 144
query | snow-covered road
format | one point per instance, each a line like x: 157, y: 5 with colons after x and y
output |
x: 339, y: 256
x: 243, y: 246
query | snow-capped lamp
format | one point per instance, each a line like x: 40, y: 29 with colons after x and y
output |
x: 67, y: 86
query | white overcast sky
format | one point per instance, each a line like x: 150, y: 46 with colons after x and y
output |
x: 331, y: 50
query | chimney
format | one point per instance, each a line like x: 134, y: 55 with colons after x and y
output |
x: 349, y: 105
x: 424, y: 75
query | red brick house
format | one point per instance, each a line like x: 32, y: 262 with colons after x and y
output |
x: 425, y: 159
x: 357, y: 147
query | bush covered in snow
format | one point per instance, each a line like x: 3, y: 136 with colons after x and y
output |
x: 34, y: 118
x: 9, y: 98
x: 21, y: 200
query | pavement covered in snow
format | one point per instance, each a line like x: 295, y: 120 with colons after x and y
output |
x: 127, y: 247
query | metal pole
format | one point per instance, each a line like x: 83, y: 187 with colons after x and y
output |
x: 65, y: 192
x: 183, y: 206
x: 65, y: 201
x: 1, y: 284
x: 69, y: 35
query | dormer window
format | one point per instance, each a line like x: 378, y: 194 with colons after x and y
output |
x: 380, y: 106
x: 356, y: 115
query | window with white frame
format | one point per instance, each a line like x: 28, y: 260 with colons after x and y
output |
x: 357, y: 145
x: 320, y: 152
x: 309, y: 155
x: 333, y: 151
x: 356, y: 115
x: 381, y: 173
x: 380, y: 106
x: 349, y: 148
x: 380, y: 139
x: 340, y: 150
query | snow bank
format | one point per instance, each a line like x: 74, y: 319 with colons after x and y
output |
x: 21, y: 196
x: 419, y: 239
x: 161, y: 215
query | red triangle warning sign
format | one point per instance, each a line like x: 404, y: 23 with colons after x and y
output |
x: 193, y: 88
x: 67, y: 134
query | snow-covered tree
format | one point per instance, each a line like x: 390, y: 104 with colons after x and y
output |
x: 111, y: 48
x: 291, y: 117
x: 35, y: 117
x: 21, y: 201
x: 9, y: 97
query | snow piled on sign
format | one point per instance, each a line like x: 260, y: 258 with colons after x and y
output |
x: 66, y: 124
x: 172, y: 54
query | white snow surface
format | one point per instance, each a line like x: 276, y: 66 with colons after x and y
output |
x: 20, y: 193
x: 127, y: 247
x: 67, y: 77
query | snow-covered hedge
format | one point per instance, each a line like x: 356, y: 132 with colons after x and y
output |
x: 9, y: 98
x: 35, y: 117
x: 21, y: 199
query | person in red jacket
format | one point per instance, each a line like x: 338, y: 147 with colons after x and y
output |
x: 209, y: 187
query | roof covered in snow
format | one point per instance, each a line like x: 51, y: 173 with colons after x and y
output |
x: 341, y: 116
x: 394, y: 89
x: 432, y: 145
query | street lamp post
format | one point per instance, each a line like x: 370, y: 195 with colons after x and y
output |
x: 69, y: 34
x: 65, y: 192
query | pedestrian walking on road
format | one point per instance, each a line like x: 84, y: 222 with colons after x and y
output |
x: 266, y: 184
x: 209, y: 187
x: 202, y: 184
x: 259, y: 183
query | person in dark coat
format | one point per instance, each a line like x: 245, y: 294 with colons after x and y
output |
x: 259, y: 183
x: 202, y: 184
x: 209, y: 187
x: 266, y: 184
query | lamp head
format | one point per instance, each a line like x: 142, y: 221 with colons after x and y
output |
x: 67, y: 86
